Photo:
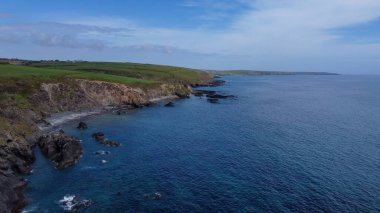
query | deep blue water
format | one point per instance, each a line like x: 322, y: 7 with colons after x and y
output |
x: 287, y: 144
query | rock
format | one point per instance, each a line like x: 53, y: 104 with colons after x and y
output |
x: 11, y: 197
x: 63, y: 150
x: 99, y: 136
x: 211, y: 94
x: 170, y: 104
x: 121, y: 112
x: 73, y: 203
x: 197, y: 93
x: 15, y: 159
x: 149, y: 103
x: 203, y: 92
x: 214, y: 83
x: 82, y: 126
x: 219, y: 96
x: 213, y: 100
x: 101, y: 152
x: 136, y: 106
x: 110, y: 143
x: 155, y: 196
x: 182, y: 95
x: 217, y: 83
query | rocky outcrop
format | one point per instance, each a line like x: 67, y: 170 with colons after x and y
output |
x: 214, y: 83
x: 110, y: 143
x: 15, y: 159
x: 63, y: 150
x: 11, y: 193
x: 100, y: 137
x: 82, y: 125
x: 169, y: 104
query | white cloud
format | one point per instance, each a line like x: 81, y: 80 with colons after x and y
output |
x: 270, y: 34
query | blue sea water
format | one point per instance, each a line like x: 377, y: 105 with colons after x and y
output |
x: 286, y: 144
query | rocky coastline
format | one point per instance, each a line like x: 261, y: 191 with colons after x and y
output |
x: 81, y: 98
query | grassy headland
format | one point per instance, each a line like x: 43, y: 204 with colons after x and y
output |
x: 20, y: 81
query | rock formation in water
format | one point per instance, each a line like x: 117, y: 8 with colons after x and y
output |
x: 82, y: 125
x: 63, y: 150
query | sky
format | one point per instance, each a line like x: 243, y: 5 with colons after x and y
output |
x: 340, y: 36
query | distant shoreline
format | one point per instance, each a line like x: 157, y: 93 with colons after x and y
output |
x: 258, y: 73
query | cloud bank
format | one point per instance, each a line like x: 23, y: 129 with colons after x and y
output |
x: 270, y: 34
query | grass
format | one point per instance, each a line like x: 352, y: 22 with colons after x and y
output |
x: 24, y: 79
x: 18, y: 82
x: 168, y: 74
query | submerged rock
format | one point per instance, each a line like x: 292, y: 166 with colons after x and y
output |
x: 155, y: 196
x: 182, y: 95
x: 213, y: 100
x: 219, y: 96
x: 212, y: 96
x: 203, y: 92
x: 101, y: 152
x: 110, y: 143
x: 82, y: 125
x: 98, y: 136
x: 63, y: 150
x: 170, y: 104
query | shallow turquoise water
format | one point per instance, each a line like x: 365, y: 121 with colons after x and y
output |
x: 287, y: 144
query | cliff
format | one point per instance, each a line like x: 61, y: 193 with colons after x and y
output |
x: 29, y: 96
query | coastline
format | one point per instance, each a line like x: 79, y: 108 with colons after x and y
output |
x: 54, y: 121
x: 49, y: 104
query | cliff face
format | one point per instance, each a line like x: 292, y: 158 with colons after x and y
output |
x: 15, y: 159
x: 75, y: 95
x: 19, y: 119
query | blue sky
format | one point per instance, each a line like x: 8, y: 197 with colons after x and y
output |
x: 301, y: 35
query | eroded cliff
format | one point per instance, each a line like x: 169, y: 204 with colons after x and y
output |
x: 20, y: 116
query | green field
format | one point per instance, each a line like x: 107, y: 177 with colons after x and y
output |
x: 24, y: 79
x: 168, y: 74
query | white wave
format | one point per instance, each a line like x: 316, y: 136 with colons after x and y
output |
x: 30, y: 209
x: 63, y: 117
x: 67, y: 202
x: 163, y: 98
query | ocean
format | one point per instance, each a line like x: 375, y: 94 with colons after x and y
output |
x: 285, y: 144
